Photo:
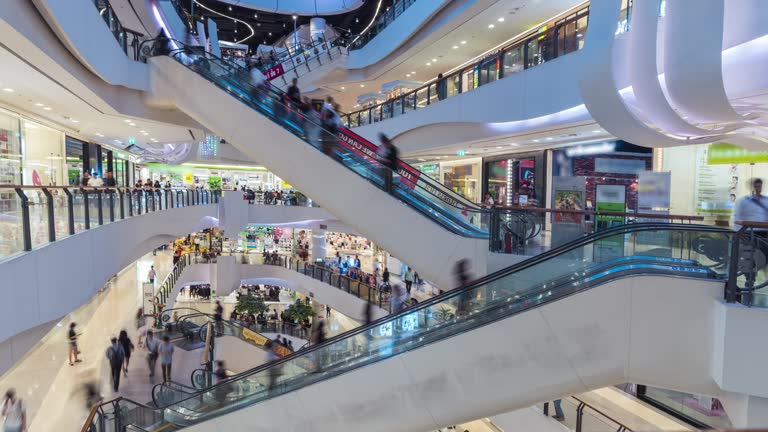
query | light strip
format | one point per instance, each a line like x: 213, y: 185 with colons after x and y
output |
x: 375, y: 15
x: 197, y: 165
x: 253, y: 32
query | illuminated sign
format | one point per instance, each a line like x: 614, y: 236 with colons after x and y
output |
x: 587, y: 150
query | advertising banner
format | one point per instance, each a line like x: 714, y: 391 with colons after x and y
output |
x: 254, y: 337
x: 714, y: 184
x: 148, y: 295
x: 609, y: 198
x: 274, y: 72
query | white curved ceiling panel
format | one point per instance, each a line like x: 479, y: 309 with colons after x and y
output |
x: 693, y: 45
x: 643, y: 70
x: 299, y: 7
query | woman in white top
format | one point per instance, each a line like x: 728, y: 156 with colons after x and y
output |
x: 14, y: 412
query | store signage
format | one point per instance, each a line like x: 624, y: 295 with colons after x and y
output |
x: 254, y: 337
x: 461, y: 153
x: 274, y: 72
x: 189, y: 178
x: 131, y: 141
x: 619, y: 166
x: 724, y: 153
x: 588, y: 150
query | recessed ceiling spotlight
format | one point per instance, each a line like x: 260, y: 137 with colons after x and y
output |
x: 429, y: 64
x: 549, y: 138
x: 434, y: 60
x: 259, y: 25
x: 235, y: 31
x: 117, y: 141
x: 455, y: 47
x: 463, y: 42
x: 283, y: 25
x: 229, y: 8
x: 132, y: 124
x: 362, y: 85
x: 74, y: 121
x: 490, y: 26
x: 408, y: 75
x: 128, y: 121
x: 513, y: 144
x: 8, y: 90
x: 413, y: 73
x: 343, y: 88
x: 501, y: 19
x: 270, y: 33
x: 536, y: 140
x: 39, y: 104
x: 295, y: 17
x: 47, y: 108
x: 99, y: 135
x: 256, y: 15
x: 499, y: 147
x: 596, y: 131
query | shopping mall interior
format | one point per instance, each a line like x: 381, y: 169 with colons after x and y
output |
x: 383, y: 215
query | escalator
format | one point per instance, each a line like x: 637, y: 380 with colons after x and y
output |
x: 447, y: 343
x: 344, y: 175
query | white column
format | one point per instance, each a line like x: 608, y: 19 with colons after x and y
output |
x: 317, y: 28
x: 746, y: 411
x: 318, y: 244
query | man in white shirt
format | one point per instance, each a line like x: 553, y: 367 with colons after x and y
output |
x: 95, y: 181
x: 752, y: 208
x: 489, y: 202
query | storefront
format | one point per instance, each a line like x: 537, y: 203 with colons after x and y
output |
x: 431, y: 170
x: 515, y: 179
x: 213, y: 176
x: 43, y: 151
x: 283, y: 240
x: 708, y: 179
x: 609, y: 172
x: 10, y: 148
x: 463, y: 177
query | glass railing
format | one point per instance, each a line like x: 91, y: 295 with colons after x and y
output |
x: 748, y: 282
x: 630, y: 250
x: 32, y: 216
x: 542, y: 44
x: 421, y: 193
x: 386, y: 18
x: 129, y: 40
x: 301, y: 60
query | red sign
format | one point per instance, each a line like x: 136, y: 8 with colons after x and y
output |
x: 274, y: 72
x: 409, y: 175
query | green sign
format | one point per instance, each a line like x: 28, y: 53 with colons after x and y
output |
x: 131, y: 140
x: 461, y: 153
x: 724, y: 153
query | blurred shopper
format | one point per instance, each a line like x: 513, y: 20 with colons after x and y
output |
x: 275, y: 370
x: 293, y: 93
x: 166, y: 357
x: 116, y: 357
x: 14, y: 412
x: 258, y: 82
x: 327, y: 311
x: 408, y: 280
x: 752, y: 208
x: 141, y: 323
x: 397, y: 299
x: 73, y: 352
x: 442, y: 87
x: 128, y: 348
x: 489, y: 201
x: 151, y: 275
x: 92, y: 394
x: 109, y: 180
x: 329, y: 120
x: 559, y: 415
x: 86, y: 178
x: 388, y: 155
x: 218, y: 318
x: 220, y: 373
x: 461, y: 273
x: 95, y: 181
x: 152, y: 345
x: 368, y: 313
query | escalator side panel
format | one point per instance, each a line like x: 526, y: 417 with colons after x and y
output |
x: 631, y: 329
x: 414, y: 239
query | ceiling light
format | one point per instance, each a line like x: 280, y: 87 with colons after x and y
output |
x: 498, y: 147
x: 255, y: 15
x: 362, y: 85
x: 434, y: 60
x: 235, y: 31
x: 229, y: 8
x: 143, y: 131
x: 596, y: 131
x: 429, y: 64
x: 549, y: 138
x: 99, y: 135
x: 463, y: 42
x: 490, y: 26
x: 513, y: 144
x: 128, y: 121
x: 132, y: 124
x: 455, y: 47
x: 413, y: 73
x: 74, y: 121
x: 343, y: 88
x: 536, y: 140
x: 117, y: 141
x: 295, y: 17
x: 9, y: 90
x: 47, y: 108
x: 39, y: 104
x: 259, y: 25
x: 270, y: 33
x: 500, y: 19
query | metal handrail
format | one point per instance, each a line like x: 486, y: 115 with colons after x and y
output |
x: 518, y: 42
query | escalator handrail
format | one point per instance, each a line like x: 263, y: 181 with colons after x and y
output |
x: 426, y: 179
x: 622, y: 229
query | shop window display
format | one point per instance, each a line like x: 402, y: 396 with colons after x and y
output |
x: 43, y: 155
x: 515, y: 179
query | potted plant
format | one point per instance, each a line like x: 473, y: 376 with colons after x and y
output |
x: 250, y: 305
x: 299, y: 312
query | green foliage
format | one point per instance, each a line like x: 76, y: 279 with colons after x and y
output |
x: 299, y: 312
x: 214, y: 183
x: 247, y: 304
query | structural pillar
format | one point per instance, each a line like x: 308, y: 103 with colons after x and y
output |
x: 318, y: 244
x: 317, y: 28
x: 746, y: 411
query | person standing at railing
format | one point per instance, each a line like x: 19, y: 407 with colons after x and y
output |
x: 388, y: 156
x: 86, y: 178
x: 95, y: 181
x: 442, y: 87
x: 109, y: 180
x: 752, y: 208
